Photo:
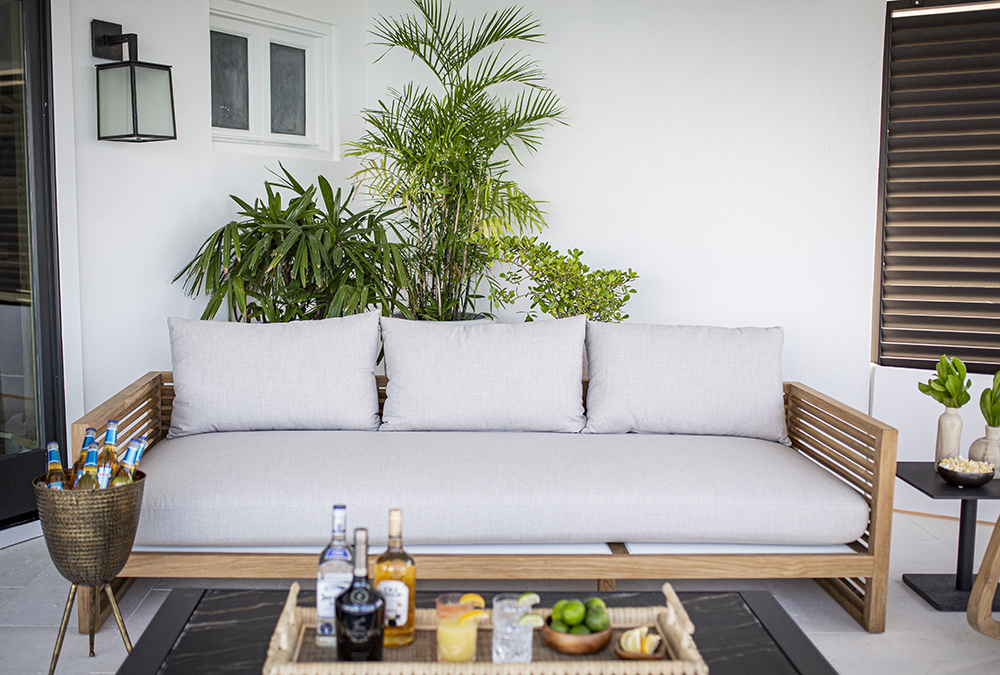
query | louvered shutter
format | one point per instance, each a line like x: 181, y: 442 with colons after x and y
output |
x: 940, y: 186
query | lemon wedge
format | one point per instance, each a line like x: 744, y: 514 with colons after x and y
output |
x: 650, y: 643
x: 631, y: 642
x: 473, y: 599
x: 472, y: 616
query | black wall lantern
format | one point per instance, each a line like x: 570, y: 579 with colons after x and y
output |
x: 135, y: 100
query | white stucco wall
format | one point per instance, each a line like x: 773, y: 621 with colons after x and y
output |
x: 725, y: 151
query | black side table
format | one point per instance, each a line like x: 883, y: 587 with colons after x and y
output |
x: 949, y: 592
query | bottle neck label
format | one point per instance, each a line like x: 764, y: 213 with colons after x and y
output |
x: 111, y: 436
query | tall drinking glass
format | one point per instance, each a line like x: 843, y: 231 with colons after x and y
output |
x: 456, y: 640
x: 511, y: 642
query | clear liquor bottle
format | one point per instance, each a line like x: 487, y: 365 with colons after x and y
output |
x: 396, y: 580
x: 107, y: 461
x: 333, y: 577
x: 360, y: 611
x: 88, y: 479
x: 81, y: 459
x: 55, y: 478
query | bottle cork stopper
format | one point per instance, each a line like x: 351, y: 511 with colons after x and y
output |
x: 395, y: 523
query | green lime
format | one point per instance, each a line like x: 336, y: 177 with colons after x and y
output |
x: 557, y: 610
x: 573, y: 613
x: 591, y: 603
x: 529, y: 598
x: 532, y: 620
x: 580, y: 630
x: 597, y: 620
x: 559, y: 627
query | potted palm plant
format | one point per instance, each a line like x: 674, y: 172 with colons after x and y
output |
x: 297, y: 260
x: 442, y: 153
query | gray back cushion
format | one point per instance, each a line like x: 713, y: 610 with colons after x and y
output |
x: 483, y: 377
x: 685, y: 380
x: 298, y: 375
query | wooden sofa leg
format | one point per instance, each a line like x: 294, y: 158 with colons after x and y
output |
x: 119, y: 586
x: 876, y: 599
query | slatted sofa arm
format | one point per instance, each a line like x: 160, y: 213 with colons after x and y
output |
x: 142, y: 408
x: 856, y: 447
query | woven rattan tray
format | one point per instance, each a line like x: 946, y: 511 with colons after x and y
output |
x: 293, y: 652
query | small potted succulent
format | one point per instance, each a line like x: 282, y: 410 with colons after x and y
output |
x: 951, y: 389
x: 987, y: 449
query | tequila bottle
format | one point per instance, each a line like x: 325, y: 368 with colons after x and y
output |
x: 396, y: 580
x: 360, y: 611
x: 54, y: 477
x: 88, y: 479
x: 123, y: 476
x: 333, y: 577
x: 81, y: 459
x: 107, y: 461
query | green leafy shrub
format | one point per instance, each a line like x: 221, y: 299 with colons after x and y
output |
x: 296, y: 261
x: 950, y: 387
x: 989, y: 402
x: 557, y: 284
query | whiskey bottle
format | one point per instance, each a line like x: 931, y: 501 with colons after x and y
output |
x: 333, y: 577
x: 107, y: 461
x: 396, y: 580
x: 81, y: 459
x: 360, y: 611
x: 88, y: 479
x: 55, y: 479
x: 126, y: 469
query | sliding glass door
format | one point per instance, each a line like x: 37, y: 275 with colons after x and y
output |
x: 31, y: 408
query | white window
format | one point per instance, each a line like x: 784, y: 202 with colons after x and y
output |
x: 272, y: 82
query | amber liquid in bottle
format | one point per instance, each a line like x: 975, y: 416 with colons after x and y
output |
x: 396, y: 580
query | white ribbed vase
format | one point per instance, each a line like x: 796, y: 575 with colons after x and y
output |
x: 987, y: 448
x: 949, y: 435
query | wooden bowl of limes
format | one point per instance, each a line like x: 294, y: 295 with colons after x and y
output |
x: 576, y: 627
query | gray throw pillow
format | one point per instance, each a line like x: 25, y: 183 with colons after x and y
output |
x: 685, y: 380
x: 484, y: 377
x: 298, y: 375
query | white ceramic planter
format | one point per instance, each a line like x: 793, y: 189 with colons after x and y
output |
x: 987, y: 448
x: 949, y: 435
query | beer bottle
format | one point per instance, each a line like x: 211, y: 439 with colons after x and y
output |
x: 55, y: 478
x: 124, y: 474
x: 81, y: 458
x: 107, y: 461
x: 88, y: 479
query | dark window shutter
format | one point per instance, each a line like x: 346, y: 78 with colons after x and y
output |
x: 939, y: 176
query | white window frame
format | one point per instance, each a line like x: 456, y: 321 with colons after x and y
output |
x: 261, y: 27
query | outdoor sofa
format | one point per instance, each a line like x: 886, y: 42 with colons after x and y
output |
x: 683, y: 456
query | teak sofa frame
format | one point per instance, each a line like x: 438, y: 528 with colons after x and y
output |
x: 856, y: 448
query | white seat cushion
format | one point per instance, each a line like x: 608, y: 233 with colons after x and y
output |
x: 276, y: 488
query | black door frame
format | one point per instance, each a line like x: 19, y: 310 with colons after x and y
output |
x: 16, y: 471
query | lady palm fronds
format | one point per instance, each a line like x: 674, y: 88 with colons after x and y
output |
x: 437, y: 153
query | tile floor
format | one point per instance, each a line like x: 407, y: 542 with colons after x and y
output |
x: 917, y: 639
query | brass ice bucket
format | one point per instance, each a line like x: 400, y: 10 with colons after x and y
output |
x: 89, y: 534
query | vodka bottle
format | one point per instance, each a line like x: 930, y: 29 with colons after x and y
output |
x: 396, y: 580
x: 81, y: 459
x: 334, y: 576
x: 123, y: 476
x: 54, y: 477
x: 88, y: 479
x: 360, y: 611
x: 107, y: 461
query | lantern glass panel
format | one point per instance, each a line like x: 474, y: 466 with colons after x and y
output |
x: 114, y: 91
x: 154, y: 101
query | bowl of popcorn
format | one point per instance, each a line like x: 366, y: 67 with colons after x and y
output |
x: 965, y: 472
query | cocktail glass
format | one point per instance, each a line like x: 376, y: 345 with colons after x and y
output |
x: 511, y: 642
x: 456, y: 641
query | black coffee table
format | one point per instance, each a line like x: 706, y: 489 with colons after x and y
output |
x: 211, y: 631
x: 949, y: 592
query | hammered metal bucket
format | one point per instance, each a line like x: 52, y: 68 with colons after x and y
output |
x: 89, y: 535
